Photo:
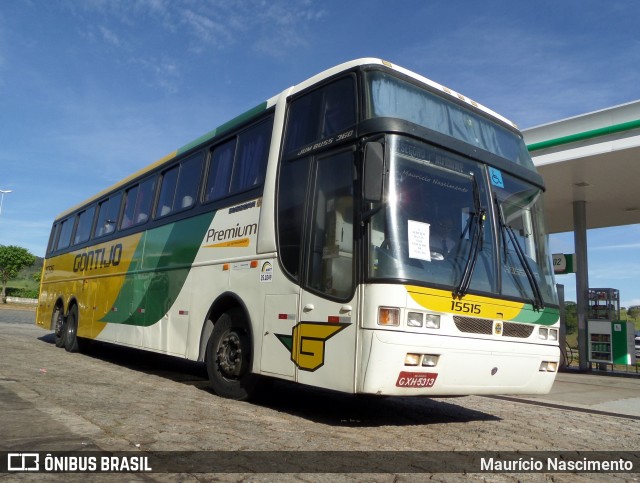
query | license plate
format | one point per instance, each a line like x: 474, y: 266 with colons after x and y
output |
x: 416, y: 379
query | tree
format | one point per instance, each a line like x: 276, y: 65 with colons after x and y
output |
x: 12, y: 260
x: 571, y: 315
x: 633, y: 311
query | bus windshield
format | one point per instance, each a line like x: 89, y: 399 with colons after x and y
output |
x: 436, y: 227
x: 390, y: 96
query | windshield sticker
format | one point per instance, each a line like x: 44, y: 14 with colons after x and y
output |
x: 496, y: 177
x: 418, y: 234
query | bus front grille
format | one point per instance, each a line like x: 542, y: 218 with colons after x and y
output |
x: 485, y: 326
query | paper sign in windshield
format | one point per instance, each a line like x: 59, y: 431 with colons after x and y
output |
x: 418, y: 234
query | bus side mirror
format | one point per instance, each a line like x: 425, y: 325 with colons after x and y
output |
x: 373, y: 172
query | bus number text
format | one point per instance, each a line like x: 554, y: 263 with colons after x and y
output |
x: 465, y: 307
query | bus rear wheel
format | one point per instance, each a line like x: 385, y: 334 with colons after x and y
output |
x: 59, y: 326
x: 228, y: 358
x: 73, y: 343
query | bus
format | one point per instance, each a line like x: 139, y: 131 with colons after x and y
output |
x: 367, y: 231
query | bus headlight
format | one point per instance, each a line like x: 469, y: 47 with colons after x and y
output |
x: 389, y: 316
x: 432, y: 321
x: 553, y: 334
x: 414, y: 319
x: 543, y: 333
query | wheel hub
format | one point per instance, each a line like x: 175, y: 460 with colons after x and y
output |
x: 229, y: 355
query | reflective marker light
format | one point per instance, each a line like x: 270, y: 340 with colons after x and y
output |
x: 412, y: 359
x: 432, y: 321
x: 430, y: 360
x: 414, y: 319
x: 389, y: 316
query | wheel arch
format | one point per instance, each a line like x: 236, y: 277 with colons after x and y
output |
x: 223, y: 303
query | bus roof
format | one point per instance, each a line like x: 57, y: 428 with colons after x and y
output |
x: 271, y: 102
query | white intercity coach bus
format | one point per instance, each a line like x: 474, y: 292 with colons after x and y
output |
x: 367, y: 231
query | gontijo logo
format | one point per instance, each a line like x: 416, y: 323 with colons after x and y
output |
x: 307, y: 343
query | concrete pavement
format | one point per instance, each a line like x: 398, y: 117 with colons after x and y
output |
x: 593, y: 392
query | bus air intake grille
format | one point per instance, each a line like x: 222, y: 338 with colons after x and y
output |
x: 473, y: 325
x: 512, y: 329
x: 485, y: 326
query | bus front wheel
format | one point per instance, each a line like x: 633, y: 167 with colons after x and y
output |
x: 228, y: 358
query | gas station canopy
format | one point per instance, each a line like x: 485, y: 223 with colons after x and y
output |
x: 594, y: 158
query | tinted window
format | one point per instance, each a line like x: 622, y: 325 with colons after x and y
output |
x: 167, y: 191
x: 321, y: 114
x: 179, y: 186
x: 220, y: 167
x: 52, y: 238
x: 292, y: 192
x: 137, y: 204
x: 240, y: 163
x: 108, y: 211
x: 129, y: 207
x: 188, y: 182
x: 85, y: 221
x: 251, y: 157
x: 65, y: 233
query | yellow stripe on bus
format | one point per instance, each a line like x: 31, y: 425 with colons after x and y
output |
x: 471, y: 305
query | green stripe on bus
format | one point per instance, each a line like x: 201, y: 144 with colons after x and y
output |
x: 150, y: 289
x: 528, y: 314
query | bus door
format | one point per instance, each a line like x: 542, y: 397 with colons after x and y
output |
x: 324, y: 339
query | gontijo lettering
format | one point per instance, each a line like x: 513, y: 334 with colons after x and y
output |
x: 98, y: 258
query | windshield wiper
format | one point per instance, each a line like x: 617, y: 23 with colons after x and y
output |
x: 538, y: 303
x: 476, y: 242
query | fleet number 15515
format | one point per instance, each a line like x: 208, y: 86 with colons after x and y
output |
x: 465, y: 307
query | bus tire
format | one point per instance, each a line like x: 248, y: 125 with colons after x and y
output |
x: 71, y: 333
x: 59, y: 326
x: 228, y: 358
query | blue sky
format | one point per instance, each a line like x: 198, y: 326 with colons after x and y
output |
x: 93, y: 90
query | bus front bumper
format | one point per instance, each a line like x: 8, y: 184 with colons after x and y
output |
x: 408, y: 364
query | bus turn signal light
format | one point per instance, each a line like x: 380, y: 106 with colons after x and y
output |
x: 389, y: 316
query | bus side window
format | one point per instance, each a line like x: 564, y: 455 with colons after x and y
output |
x: 54, y: 235
x: 85, y: 222
x: 188, y: 182
x: 130, y: 196
x: 321, y: 114
x: 251, y: 157
x: 220, y: 167
x: 143, y: 201
x: 292, y: 193
x: 64, y: 238
x: 108, y: 211
x: 179, y: 186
